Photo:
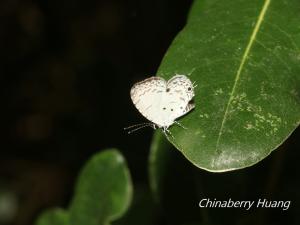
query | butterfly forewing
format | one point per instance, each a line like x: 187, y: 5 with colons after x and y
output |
x: 147, y: 95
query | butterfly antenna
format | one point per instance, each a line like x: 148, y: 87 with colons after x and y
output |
x: 139, y: 126
x: 136, y: 125
x: 168, y: 133
x: 179, y: 124
x: 146, y: 125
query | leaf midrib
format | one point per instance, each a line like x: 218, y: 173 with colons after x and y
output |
x: 241, y: 66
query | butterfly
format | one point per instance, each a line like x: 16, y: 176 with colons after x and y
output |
x: 161, y: 101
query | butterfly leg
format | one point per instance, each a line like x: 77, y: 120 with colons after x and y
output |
x: 179, y: 124
x: 167, y: 132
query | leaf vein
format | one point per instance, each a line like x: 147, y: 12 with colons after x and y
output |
x: 241, y: 66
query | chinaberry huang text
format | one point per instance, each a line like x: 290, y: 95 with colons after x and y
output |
x: 260, y: 203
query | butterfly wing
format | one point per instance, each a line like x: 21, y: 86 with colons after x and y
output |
x: 147, y: 97
x: 180, y: 92
x: 182, y: 86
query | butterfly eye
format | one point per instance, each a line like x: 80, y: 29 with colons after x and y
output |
x: 168, y: 89
x: 189, y: 88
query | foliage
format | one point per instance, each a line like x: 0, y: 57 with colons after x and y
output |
x: 244, y: 58
x: 103, y: 193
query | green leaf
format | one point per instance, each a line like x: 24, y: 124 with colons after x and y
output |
x: 103, y: 192
x: 244, y: 57
x: 53, y: 217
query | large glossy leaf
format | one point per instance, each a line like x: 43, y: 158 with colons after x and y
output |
x: 245, y: 59
x: 103, y: 191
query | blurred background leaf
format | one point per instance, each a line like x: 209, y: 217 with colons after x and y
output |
x: 53, y: 217
x: 103, y: 193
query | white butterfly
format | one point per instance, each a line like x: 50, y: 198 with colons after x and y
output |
x: 163, y: 102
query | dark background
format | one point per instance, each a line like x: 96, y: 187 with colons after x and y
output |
x: 65, y: 73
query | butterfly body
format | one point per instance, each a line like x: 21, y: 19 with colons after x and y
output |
x: 162, y: 102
